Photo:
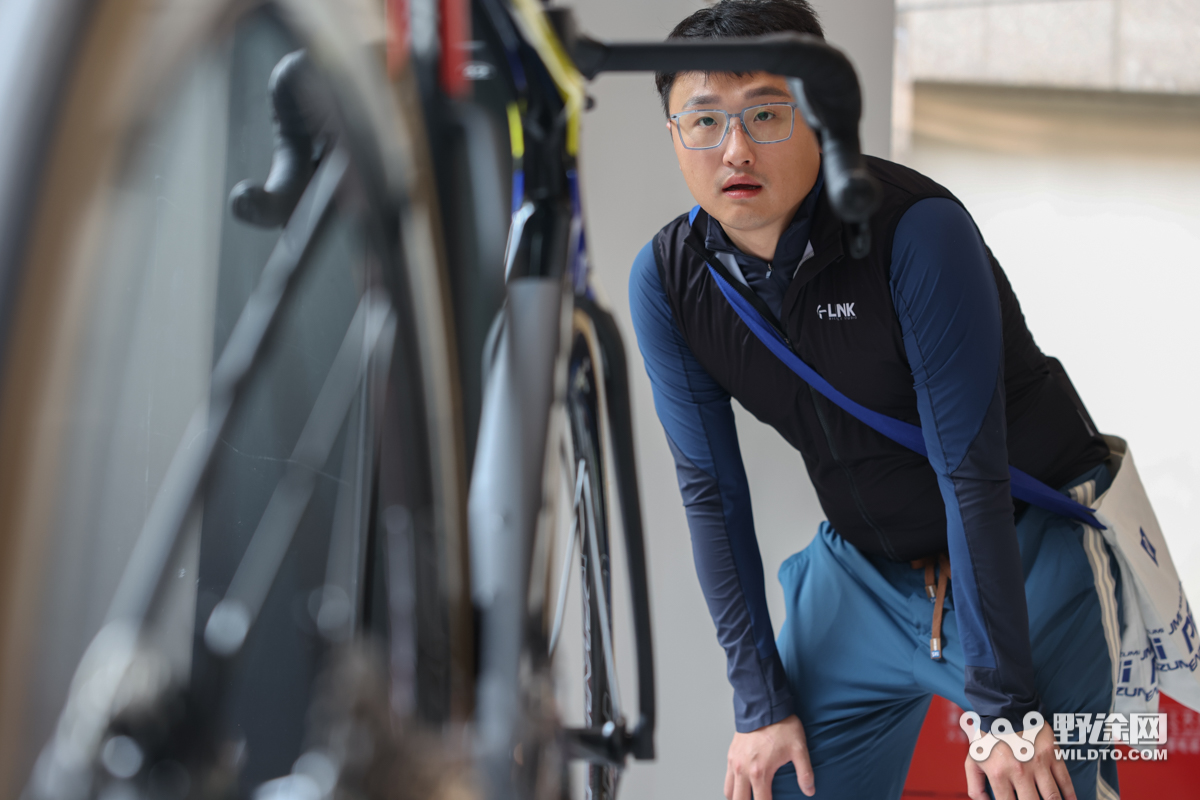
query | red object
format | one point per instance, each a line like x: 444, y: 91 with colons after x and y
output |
x: 454, y: 33
x: 937, y: 765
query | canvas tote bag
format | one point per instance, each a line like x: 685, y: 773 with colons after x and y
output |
x: 1154, y: 642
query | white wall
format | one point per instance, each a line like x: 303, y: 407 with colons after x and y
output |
x: 632, y: 187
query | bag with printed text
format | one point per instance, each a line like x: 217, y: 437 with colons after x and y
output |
x: 1151, y: 632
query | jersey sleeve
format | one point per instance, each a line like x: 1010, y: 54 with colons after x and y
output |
x: 698, y: 420
x: 946, y: 298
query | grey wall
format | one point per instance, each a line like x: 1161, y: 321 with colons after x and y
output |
x: 631, y: 188
x: 865, y: 30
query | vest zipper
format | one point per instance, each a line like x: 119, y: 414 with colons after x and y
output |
x: 884, y: 544
x: 757, y: 302
x: 760, y: 306
x: 744, y: 291
x: 766, y: 314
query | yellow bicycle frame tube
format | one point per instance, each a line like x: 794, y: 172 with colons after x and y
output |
x: 545, y: 42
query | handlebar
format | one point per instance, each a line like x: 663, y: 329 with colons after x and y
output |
x: 819, y: 75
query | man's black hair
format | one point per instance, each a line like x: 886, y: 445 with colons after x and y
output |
x: 736, y: 18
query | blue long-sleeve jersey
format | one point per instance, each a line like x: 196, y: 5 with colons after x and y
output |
x: 945, y: 296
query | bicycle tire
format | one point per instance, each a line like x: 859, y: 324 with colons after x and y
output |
x: 585, y: 409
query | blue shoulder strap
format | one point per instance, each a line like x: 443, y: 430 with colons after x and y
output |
x: 1023, y: 486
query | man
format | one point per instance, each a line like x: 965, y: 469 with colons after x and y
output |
x: 925, y: 329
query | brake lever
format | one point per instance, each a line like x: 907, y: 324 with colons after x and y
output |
x: 299, y: 122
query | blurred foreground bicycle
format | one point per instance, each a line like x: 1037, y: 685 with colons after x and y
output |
x: 234, y: 457
x: 230, y: 450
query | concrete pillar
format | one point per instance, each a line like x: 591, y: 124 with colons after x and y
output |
x: 865, y: 31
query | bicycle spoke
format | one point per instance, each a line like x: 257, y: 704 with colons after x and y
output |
x: 564, y: 581
x: 231, y: 619
x: 341, y: 594
x: 67, y: 758
x: 602, y: 602
x: 142, y: 579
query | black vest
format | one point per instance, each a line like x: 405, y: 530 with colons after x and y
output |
x: 879, y: 495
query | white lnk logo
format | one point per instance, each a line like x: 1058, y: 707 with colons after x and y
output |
x: 836, y: 311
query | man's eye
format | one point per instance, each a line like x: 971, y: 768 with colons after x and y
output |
x: 764, y: 116
x: 705, y: 122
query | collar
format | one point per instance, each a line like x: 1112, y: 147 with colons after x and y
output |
x: 793, y: 242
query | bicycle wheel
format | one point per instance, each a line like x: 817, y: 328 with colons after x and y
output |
x: 138, y: 299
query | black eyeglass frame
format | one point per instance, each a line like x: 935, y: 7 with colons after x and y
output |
x: 729, y: 117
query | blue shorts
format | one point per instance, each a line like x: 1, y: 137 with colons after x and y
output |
x: 855, y: 646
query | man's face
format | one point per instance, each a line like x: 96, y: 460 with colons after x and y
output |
x: 745, y: 185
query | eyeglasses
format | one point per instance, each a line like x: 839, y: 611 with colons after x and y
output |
x: 707, y: 128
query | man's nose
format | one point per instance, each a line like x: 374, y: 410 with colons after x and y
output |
x: 739, y: 149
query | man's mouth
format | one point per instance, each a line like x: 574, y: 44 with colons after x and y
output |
x: 741, y: 188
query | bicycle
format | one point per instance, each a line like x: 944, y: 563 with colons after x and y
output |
x: 160, y: 694
x: 532, y: 347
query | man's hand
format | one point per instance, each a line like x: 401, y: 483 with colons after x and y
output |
x: 754, y: 757
x: 1012, y: 779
